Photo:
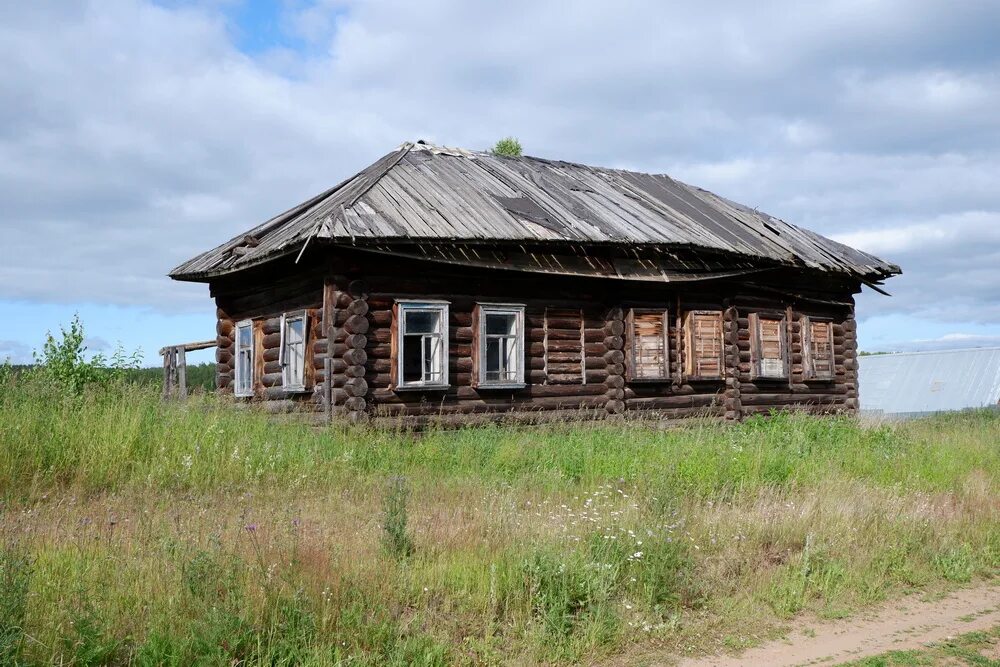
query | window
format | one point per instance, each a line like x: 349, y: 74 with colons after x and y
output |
x: 767, y: 346
x: 292, y: 350
x: 648, y: 345
x: 422, y: 359
x: 818, y: 348
x: 703, y: 353
x: 500, y: 345
x: 243, y: 382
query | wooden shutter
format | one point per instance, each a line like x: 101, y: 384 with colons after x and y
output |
x: 767, y: 346
x: 564, y: 353
x: 820, y: 349
x: 648, y: 347
x: 703, y: 353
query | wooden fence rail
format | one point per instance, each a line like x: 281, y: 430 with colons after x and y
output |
x: 175, y: 367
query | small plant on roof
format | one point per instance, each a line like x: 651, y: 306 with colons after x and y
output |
x: 507, y: 147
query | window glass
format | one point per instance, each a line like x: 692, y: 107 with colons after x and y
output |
x: 422, y: 321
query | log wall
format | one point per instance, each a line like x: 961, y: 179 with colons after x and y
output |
x: 574, y: 340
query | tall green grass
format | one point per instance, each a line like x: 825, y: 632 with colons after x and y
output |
x: 139, y: 532
x: 125, y: 437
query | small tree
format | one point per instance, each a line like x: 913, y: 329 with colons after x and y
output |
x: 507, y: 147
x: 64, y: 361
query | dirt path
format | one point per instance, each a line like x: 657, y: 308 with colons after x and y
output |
x: 906, y: 624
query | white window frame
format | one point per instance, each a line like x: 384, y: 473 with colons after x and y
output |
x: 288, y: 382
x: 517, y: 310
x: 237, y: 376
x: 403, y: 307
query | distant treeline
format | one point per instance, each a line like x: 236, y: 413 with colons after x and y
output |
x: 198, y: 375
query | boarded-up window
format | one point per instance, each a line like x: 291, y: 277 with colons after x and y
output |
x: 703, y: 354
x: 648, y: 345
x: 818, y: 347
x: 768, y: 349
x: 292, y: 351
x: 243, y: 382
x: 565, y: 362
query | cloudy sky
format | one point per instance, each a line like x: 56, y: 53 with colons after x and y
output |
x: 135, y: 134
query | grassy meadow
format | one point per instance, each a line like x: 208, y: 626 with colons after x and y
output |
x: 134, y: 532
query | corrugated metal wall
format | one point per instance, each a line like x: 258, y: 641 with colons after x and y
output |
x: 913, y: 383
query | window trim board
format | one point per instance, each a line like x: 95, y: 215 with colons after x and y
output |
x: 400, y: 307
x: 479, y: 312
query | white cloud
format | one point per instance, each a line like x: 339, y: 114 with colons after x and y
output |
x: 133, y: 136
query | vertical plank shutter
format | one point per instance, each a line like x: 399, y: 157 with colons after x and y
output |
x: 649, y: 357
x: 704, y: 344
x: 768, y: 347
x: 821, y: 349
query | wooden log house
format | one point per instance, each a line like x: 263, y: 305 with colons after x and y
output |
x: 453, y: 284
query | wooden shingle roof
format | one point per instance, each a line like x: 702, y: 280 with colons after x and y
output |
x: 435, y: 196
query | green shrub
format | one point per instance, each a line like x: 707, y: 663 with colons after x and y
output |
x: 507, y: 147
x: 64, y: 363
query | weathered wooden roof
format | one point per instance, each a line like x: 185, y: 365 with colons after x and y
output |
x: 428, y: 194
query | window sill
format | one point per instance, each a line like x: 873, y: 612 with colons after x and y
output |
x: 296, y: 390
x: 502, y: 385
x: 661, y: 380
x: 699, y: 378
x: 769, y: 378
x: 422, y: 387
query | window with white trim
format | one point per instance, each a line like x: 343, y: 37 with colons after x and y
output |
x: 243, y: 370
x: 422, y: 357
x: 292, y: 350
x: 501, y: 345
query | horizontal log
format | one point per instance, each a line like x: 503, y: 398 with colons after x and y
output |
x: 356, y: 357
x: 356, y: 324
x: 540, y: 377
x: 223, y: 356
x: 355, y: 386
x: 225, y: 329
x: 355, y: 404
x: 272, y: 325
x: 271, y: 340
x: 357, y: 307
x: 271, y: 379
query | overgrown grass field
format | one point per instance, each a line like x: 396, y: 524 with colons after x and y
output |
x: 137, y: 532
